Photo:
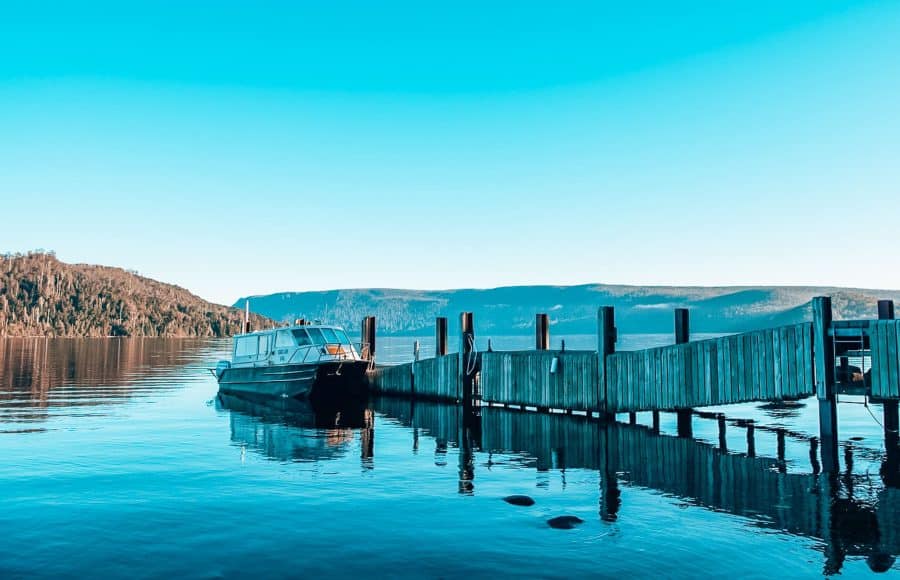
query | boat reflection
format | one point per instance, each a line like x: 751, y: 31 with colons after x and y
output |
x: 292, y: 430
x: 849, y: 514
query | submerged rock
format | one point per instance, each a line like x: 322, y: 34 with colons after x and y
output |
x: 564, y: 522
x: 522, y: 500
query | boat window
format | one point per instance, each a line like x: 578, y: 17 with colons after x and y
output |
x: 330, y: 336
x: 263, y: 343
x: 316, y: 335
x: 283, y: 338
x: 245, y: 346
x: 342, y: 336
x: 301, y: 336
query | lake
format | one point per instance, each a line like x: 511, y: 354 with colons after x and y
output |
x: 119, y: 459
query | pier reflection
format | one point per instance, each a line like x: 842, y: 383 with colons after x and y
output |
x: 290, y: 430
x: 850, y: 514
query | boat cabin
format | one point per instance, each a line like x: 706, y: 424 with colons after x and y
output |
x: 298, y: 344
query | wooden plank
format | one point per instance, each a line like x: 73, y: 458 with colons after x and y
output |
x: 791, y: 383
x: 896, y: 389
x: 893, y: 378
x: 769, y: 389
x: 794, y: 354
x: 808, y: 362
x: 747, y: 393
x: 779, y: 360
x: 878, y: 358
x: 657, y: 377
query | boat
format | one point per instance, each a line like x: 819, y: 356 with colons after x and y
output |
x: 301, y: 361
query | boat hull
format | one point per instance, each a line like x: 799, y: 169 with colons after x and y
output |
x: 324, y: 380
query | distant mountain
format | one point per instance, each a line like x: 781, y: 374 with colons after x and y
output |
x: 572, y: 309
x: 41, y: 296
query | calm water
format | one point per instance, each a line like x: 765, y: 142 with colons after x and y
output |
x: 118, y: 459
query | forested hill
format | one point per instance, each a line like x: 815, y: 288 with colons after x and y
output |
x: 41, y: 296
x: 572, y: 309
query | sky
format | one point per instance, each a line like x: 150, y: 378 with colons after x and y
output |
x: 255, y: 147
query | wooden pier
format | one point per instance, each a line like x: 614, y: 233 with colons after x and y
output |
x: 770, y: 365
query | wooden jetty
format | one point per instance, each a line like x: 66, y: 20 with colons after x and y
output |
x: 775, y: 364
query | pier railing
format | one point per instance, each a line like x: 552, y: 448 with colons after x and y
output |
x: 884, y: 336
x: 766, y: 365
x: 542, y: 379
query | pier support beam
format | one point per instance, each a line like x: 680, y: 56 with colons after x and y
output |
x: 542, y: 332
x: 607, y: 336
x: 723, y: 441
x: 467, y: 356
x: 751, y: 439
x: 825, y: 391
x: 683, y: 335
x: 440, y: 336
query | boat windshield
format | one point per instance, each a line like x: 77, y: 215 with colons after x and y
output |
x: 302, y: 337
x: 330, y: 335
x: 342, y: 336
x: 317, y: 336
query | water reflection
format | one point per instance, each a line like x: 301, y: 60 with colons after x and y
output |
x: 292, y: 430
x: 78, y: 376
x: 851, y: 514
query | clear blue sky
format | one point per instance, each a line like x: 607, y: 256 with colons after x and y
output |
x: 243, y: 148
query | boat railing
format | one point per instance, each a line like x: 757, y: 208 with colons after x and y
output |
x: 329, y: 351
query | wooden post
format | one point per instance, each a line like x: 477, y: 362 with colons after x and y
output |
x: 542, y: 332
x: 467, y: 355
x: 885, y: 310
x: 889, y: 407
x: 751, y: 439
x: 440, y: 336
x: 655, y: 426
x: 683, y: 335
x: 368, y: 337
x: 632, y: 418
x: 824, y: 361
x: 682, y: 326
x: 723, y: 442
x: 606, y: 345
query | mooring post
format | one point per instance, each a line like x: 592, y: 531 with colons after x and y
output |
x: 824, y: 363
x: 368, y: 337
x: 683, y: 335
x: 467, y: 356
x: 889, y: 406
x: 723, y: 442
x: 542, y: 332
x: 751, y: 439
x: 632, y: 418
x: 606, y: 345
x: 440, y: 336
